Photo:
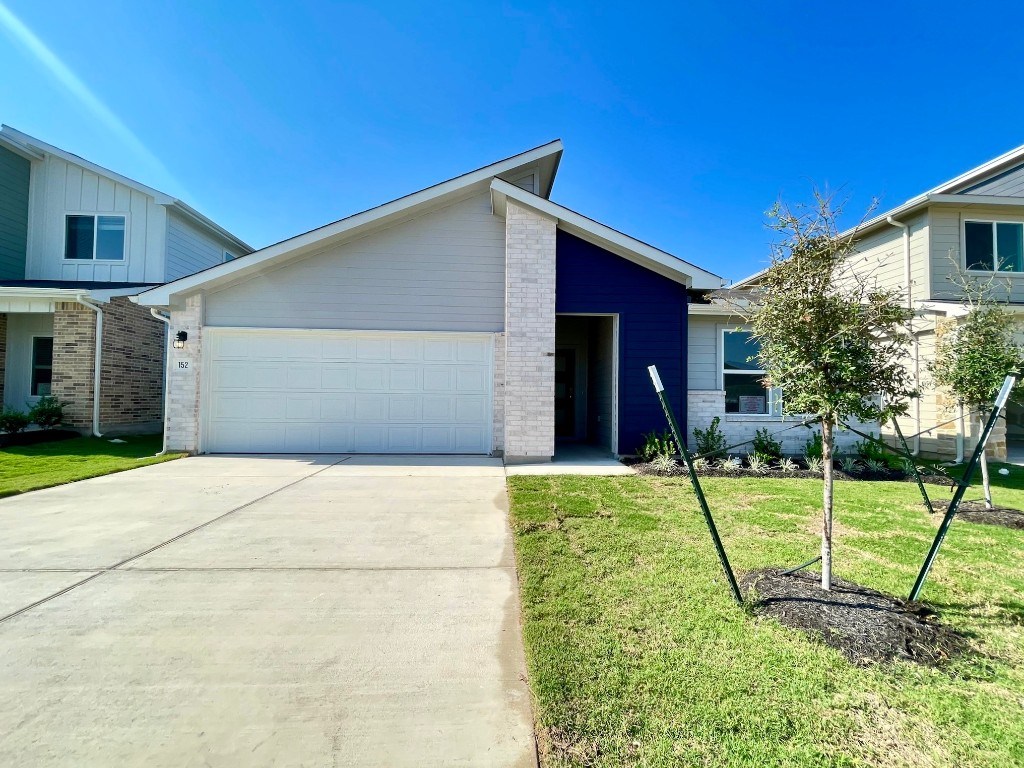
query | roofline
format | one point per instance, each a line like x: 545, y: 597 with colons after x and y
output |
x: 604, y: 236
x: 18, y: 148
x: 102, y: 295
x: 161, y: 296
x: 9, y: 134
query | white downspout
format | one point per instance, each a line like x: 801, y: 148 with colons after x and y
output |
x: 961, y: 428
x: 97, y: 376
x: 917, y: 343
x: 167, y: 371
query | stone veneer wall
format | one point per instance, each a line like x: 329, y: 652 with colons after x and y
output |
x: 182, y: 421
x: 529, y: 400
x: 74, y: 336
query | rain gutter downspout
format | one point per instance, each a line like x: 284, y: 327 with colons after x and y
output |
x: 97, y: 375
x: 167, y: 373
x: 917, y: 344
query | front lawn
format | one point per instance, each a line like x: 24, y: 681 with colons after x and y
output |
x: 638, y: 656
x: 29, y: 468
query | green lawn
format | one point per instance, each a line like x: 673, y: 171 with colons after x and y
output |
x: 639, y: 657
x: 30, y: 468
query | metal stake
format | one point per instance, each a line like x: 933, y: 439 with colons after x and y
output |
x: 954, y: 504
x: 674, y: 427
x: 913, y: 464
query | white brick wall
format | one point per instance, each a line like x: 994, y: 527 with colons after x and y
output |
x: 182, y: 419
x: 529, y: 404
x: 703, y: 405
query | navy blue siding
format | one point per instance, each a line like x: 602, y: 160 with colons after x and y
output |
x: 652, y: 329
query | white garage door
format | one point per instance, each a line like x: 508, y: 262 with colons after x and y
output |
x: 286, y: 391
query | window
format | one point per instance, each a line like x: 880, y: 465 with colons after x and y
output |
x: 42, y: 366
x: 742, y: 375
x: 994, y: 246
x: 94, y: 238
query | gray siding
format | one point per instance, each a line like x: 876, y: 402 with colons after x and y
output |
x: 443, y: 271
x: 702, y: 351
x: 880, y: 255
x: 947, y: 251
x: 191, y: 250
x: 1008, y: 184
x: 15, y: 172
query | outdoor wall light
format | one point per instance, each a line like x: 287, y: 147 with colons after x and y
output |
x: 180, y: 339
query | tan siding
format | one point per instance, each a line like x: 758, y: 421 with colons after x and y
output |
x: 443, y: 271
x: 880, y: 255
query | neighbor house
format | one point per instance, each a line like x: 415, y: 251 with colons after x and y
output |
x: 971, y: 226
x: 75, y: 241
x: 476, y: 316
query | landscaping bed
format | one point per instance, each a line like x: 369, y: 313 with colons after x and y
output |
x: 37, y: 436
x: 976, y: 512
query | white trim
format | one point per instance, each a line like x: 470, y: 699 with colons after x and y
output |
x: 95, y: 237
x: 605, y: 237
x: 773, y: 394
x: 32, y: 366
x: 615, y: 368
x: 349, y: 227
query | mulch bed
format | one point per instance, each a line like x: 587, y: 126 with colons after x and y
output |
x: 645, y: 468
x: 37, y: 436
x: 867, y: 626
x: 975, y: 512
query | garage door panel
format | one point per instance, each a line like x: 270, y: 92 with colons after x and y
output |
x: 347, y: 392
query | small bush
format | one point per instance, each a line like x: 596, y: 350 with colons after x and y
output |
x: 710, y: 442
x: 849, y: 465
x: 757, y: 464
x: 12, y: 422
x: 766, y: 447
x: 788, y: 466
x: 700, y: 464
x: 664, y: 463
x: 657, y: 445
x: 814, y: 464
x: 813, y: 447
x: 47, y: 413
x: 731, y: 464
x: 875, y: 467
x: 870, y: 450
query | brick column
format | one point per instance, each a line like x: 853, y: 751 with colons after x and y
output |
x: 74, y: 340
x: 132, y: 382
x: 182, y: 418
x: 529, y: 335
x: 3, y: 355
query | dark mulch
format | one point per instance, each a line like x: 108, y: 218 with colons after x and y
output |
x: 975, y: 512
x: 645, y: 468
x: 867, y: 626
x: 37, y: 436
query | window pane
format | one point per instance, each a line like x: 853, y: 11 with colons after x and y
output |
x: 110, y: 238
x: 738, y: 347
x: 978, y: 245
x: 1010, y: 247
x: 42, y: 366
x: 78, y: 243
x: 744, y: 393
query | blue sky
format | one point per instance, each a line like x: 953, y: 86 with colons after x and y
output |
x: 682, y: 122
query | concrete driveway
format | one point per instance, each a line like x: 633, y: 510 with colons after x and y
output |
x: 254, y: 611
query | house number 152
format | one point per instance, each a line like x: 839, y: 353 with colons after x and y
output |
x: 183, y: 363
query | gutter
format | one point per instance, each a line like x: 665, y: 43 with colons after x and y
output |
x: 167, y: 372
x: 97, y: 363
x: 917, y: 344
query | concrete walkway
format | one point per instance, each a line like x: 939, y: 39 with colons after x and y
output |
x: 258, y: 611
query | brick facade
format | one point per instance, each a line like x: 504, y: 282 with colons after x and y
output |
x: 529, y: 391
x: 131, y: 382
x: 182, y: 423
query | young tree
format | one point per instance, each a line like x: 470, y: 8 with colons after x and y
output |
x: 830, y: 338
x: 974, y: 357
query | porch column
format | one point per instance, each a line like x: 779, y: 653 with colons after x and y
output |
x: 529, y: 335
x: 183, y: 370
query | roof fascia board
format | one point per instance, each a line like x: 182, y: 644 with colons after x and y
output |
x: 604, y: 236
x: 20, y: 149
x: 353, y: 226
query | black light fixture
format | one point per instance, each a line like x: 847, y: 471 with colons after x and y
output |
x: 180, y: 339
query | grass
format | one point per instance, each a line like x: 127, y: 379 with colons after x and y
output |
x: 638, y: 656
x: 29, y: 468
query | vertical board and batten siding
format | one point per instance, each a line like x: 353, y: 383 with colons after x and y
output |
x: 880, y: 255
x: 947, y: 250
x: 15, y: 172
x: 60, y: 188
x: 652, y: 329
x: 442, y: 271
x: 189, y: 249
x: 1009, y: 183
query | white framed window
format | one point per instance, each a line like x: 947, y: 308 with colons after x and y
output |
x: 742, y: 377
x: 994, y: 246
x: 94, y: 237
x: 41, y: 372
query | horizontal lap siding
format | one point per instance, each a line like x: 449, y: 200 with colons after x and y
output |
x: 14, y: 183
x: 190, y: 250
x: 1006, y: 184
x: 652, y: 329
x: 443, y: 271
x: 947, y: 252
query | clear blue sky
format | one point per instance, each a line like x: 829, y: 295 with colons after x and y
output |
x: 682, y: 123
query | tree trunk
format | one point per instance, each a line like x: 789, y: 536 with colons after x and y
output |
x: 826, y: 506
x: 985, y: 484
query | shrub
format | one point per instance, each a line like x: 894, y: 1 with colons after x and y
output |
x: 849, y: 465
x: 812, y: 448
x: 657, y: 445
x: 47, y: 413
x: 870, y: 450
x: 788, y: 466
x: 757, y: 464
x: 875, y: 467
x: 710, y: 442
x: 766, y: 447
x: 663, y: 463
x: 12, y: 421
x: 814, y: 464
x: 700, y: 464
x: 731, y: 464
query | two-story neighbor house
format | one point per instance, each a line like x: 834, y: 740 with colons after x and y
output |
x: 972, y: 225
x: 475, y: 316
x: 75, y: 241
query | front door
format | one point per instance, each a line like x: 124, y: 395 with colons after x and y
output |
x: 565, y: 393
